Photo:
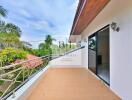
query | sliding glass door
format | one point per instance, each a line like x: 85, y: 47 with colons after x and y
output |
x: 103, y: 55
x: 92, y: 53
x: 98, y: 54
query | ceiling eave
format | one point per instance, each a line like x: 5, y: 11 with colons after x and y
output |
x: 86, y: 12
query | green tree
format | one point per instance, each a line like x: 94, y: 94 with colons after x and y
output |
x: 10, y: 36
x: 45, y: 47
x: 10, y: 28
x: 9, y: 40
x: 12, y: 40
x: 49, y: 40
x: 42, y: 46
x: 47, y: 44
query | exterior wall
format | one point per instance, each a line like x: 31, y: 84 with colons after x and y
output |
x: 84, y: 56
x: 73, y: 59
x: 118, y: 11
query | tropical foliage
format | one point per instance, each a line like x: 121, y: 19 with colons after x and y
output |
x: 45, y: 47
x: 47, y: 43
x: 10, y: 28
x: 9, y: 40
x: 40, y: 52
x: 9, y: 55
x: 3, y: 11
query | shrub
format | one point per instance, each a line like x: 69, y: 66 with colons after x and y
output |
x: 1, y: 93
x: 42, y: 52
x: 9, y: 55
x: 1, y: 82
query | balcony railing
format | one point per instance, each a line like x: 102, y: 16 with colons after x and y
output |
x: 13, y: 76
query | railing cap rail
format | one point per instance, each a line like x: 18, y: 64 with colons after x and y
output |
x: 12, y: 65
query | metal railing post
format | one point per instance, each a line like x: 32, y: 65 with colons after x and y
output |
x: 13, y: 95
x: 23, y: 74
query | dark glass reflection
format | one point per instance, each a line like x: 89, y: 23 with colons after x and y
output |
x: 92, y: 53
x: 103, y: 55
x: 98, y: 54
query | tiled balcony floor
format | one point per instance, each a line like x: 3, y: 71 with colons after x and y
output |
x: 70, y: 84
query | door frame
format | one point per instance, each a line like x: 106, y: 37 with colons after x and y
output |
x: 96, y: 34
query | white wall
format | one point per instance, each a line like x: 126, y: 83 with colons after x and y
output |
x: 119, y: 11
x: 121, y: 56
x: 85, y: 56
x: 73, y: 59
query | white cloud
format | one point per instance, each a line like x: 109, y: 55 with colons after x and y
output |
x: 25, y: 13
x: 39, y: 25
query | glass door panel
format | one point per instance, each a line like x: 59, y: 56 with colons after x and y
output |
x: 103, y: 70
x: 92, y: 53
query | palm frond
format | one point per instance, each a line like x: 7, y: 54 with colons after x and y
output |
x: 3, y: 12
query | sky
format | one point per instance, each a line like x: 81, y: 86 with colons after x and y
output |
x: 37, y: 18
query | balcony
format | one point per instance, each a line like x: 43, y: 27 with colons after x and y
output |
x: 70, y: 84
x: 64, y: 78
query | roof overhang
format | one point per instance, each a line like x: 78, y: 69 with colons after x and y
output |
x: 87, y: 10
